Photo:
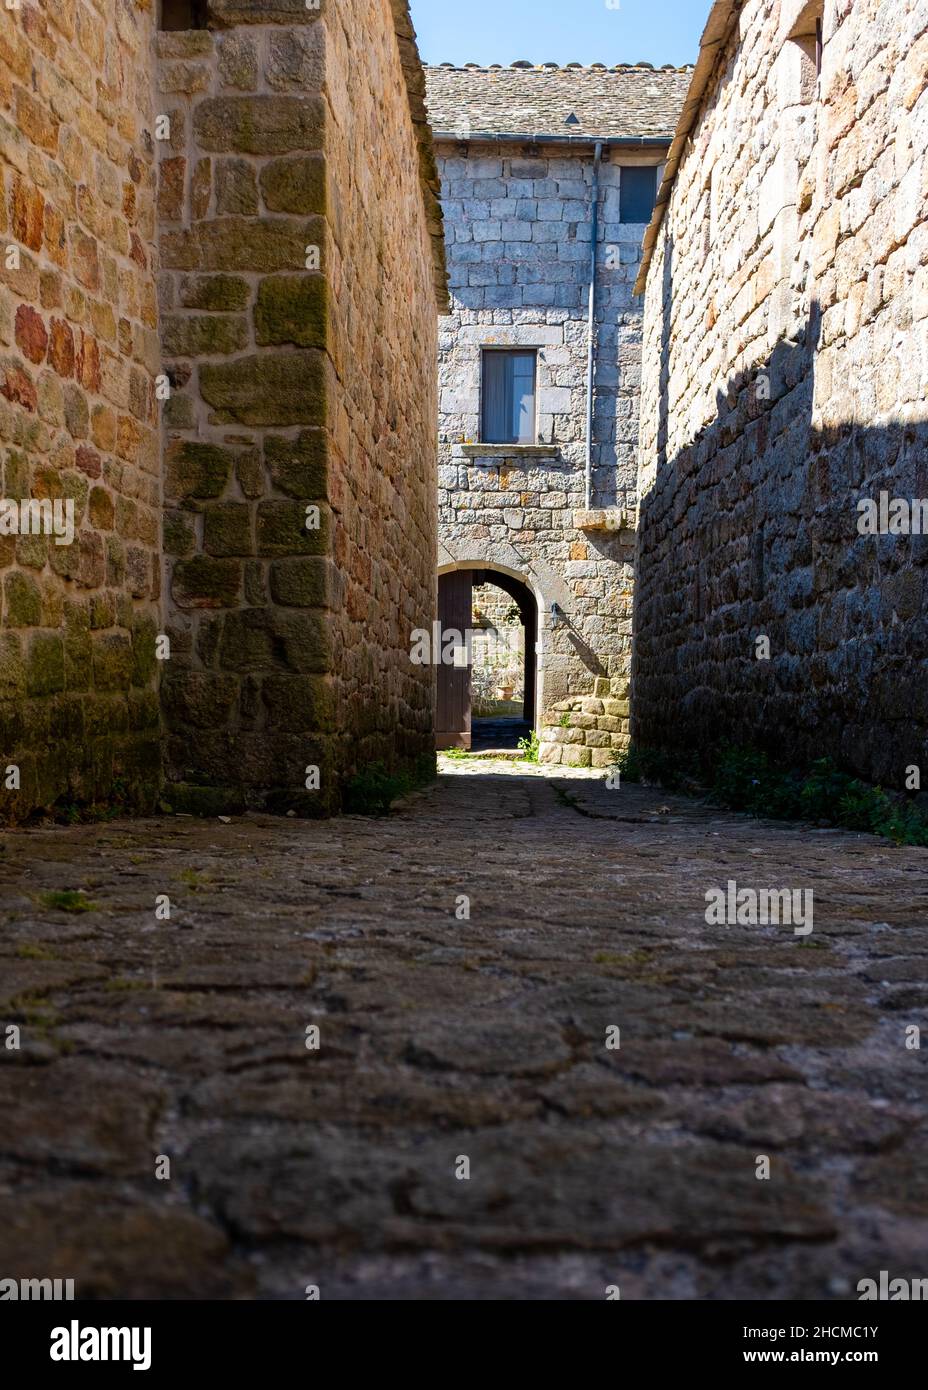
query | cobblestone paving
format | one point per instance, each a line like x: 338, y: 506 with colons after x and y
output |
x: 443, y: 1038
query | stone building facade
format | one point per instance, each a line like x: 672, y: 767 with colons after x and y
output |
x: 517, y: 153
x: 784, y: 393
x: 79, y: 719
x: 300, y: 264
x: 221, y: 304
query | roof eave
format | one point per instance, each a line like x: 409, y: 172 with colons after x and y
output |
x: 495, y: 137
x: 715, y: 38
x: 429, y: 181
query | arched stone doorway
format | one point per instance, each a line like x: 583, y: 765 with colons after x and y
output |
x: 454, y: 722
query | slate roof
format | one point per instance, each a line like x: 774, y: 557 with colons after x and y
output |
x: 630, y: 100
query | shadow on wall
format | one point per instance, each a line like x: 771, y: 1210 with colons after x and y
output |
x: 752, y: 531
x: 585, y: 652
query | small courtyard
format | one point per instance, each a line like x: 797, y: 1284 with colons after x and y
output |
x: 446, y: 1037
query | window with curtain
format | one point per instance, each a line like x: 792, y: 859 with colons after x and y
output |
x: 508, y: 415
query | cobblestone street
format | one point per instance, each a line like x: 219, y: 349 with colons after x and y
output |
x: 443, y: 1038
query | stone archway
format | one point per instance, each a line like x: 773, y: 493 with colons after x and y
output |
x: 456, y: 582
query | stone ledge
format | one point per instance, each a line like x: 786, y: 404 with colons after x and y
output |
x: 605, y: 519
x: 497, y: 451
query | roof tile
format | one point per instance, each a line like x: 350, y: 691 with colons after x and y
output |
x: 624, y: 101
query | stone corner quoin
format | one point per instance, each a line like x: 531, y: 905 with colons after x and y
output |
x: 217, y: 339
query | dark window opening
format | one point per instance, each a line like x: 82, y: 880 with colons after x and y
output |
x: 508, y: 397
x: 637, y: 192
x: 809, y: 35
x: 184, y: 14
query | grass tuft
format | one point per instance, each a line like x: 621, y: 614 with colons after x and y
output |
x: 530, y: 747
x: 69, y: 900
x: 748, y: 780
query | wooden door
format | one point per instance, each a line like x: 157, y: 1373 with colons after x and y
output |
x: 455, y: 603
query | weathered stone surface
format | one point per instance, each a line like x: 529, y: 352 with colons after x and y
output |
x: 61, y: 348
x: 272, y: 388
x: 59, y: 1119
x: 291, y: 309
x: 228, y: 13
x: 438, y: 1038
x: 205, y: 582
x: 238, y: 62
x: 296, y: 59
x: 298, y: 466
x: 77, y: 321
x: 27, y: 210
x: 201, y: 184
x: 240, y: 243
x: 22, y: 600
x: 196, y: 469
x: 289, y: 109
x: 203, y: 335
x: 775, y: 402
x: 181, y: 75
x: 227, y: 529
x: 45, y: 664
x: 216, y: 293
x: 109, y: 1230
x: 112, y: 661
x: 172, y: 176
x: 187, y: 43
x: 237, y: 188
x: 299, y: 702
x: 301, y: 582
x: 201, y: 699
x: 260, y: 124
x: 12, y: 670
x: 31, y: 334
x: 258, y: 639
x: 282, y: 530
x: 296, y: 184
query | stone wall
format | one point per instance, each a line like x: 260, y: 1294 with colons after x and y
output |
x: 590, y: 730
x: 78, y: 424
x: 389, y: 285
x: 494, y: 608
x: 785, y: 370
x: 300, y: 260
x: 518, y: 226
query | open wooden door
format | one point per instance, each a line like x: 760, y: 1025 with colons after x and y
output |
x: 455, y: 603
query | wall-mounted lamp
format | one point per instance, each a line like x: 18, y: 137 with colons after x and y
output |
x: 557, y: 616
